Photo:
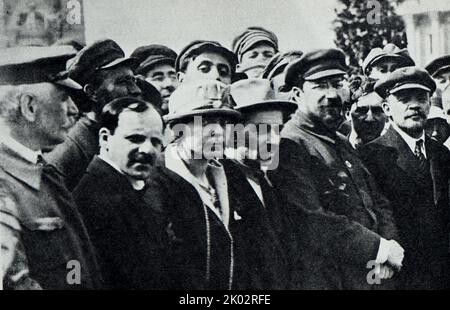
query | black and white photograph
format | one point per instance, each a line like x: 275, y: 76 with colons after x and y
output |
x: 232, y: 148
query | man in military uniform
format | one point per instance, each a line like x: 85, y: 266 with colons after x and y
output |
x: 341, y: 221
x: 42, y: 232
x: 105, y: 74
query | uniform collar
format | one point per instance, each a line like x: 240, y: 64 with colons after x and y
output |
x: 410, y: 141
x: 26, y: 153
x: 15, y: 164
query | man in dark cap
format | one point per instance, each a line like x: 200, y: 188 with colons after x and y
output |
x: 205, y: 60
x: 42, y: 231
x: 105, y: 74
x: 342, y: 223
x: 275, y: 71
x: 157, y: 66
x: 412, y: 170
x: 254, y: 48
x: 439, y: 69
x: 382, y: 61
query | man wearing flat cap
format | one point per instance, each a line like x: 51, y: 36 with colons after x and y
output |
x: 105, y: 74
x: 157, y: 66
x: 275, y: 71
x: 439, y: 69
x: 205, y: 60
x: 42, y: 232
x: 412, y: 171
x: 382, y: 61
x: 342, y: 223
x: 254, y: 48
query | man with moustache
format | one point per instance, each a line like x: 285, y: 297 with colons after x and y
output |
x: 254, y: 48
x: 367, y: 116
x: 205, y: 60
x: 412, y: 171
x: 341, y: 222
x: 110, y: 196
x: 105, y: 74
x: 43, y: 238
x: 157, y: 66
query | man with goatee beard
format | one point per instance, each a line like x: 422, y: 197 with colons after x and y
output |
x: 412, y: 171
x: 341, y: 222
x: 110, y: 196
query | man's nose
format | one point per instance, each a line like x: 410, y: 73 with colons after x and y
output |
x: 146, y: 147
x: 72, y: 109
x: 369, y: 116
x: 134, y: 90
x: 332, y: 93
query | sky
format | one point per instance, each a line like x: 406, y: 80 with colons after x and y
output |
x: 299, y: 24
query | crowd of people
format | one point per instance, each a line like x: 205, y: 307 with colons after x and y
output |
x: 120, y: 172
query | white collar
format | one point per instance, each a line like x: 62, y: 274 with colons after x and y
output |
x: 410, y: 141
x: 136, y: 184
x: 22, y: 150
x: 174, y: 163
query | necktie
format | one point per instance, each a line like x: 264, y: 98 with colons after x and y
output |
x: 423, y: 164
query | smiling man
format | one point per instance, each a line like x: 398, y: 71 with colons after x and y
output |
x: 412, y: 171
x: 110, y: 196
x: 330, y: 197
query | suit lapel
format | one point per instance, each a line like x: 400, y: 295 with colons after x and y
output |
x: 406, y: 159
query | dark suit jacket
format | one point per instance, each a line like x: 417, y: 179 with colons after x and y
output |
x: 73, y: 156
x: 337, y: 212
x: 125, y: 231
x: 248, y: 251
x: 266, y: 240
x: 420, y: 203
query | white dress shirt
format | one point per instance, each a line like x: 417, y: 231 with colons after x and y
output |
x: 137, y: 184
x: 410, y: 141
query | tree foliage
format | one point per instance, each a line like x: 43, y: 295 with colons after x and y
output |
x: 362, y: 25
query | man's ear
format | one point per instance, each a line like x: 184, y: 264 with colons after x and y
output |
x: 90, y: 92
x: 386, y: 108
x: 180, y: 76
x: 103, y: 136
x: 28, y: 106
x: 296, y: 94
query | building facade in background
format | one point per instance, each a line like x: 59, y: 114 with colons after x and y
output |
x: 40, y: 22
x: 427, y: 27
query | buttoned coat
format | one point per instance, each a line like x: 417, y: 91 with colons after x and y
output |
x: 337, y: 212
x: 420, y: 203
x: 127, y: 234
x: 51, y: 238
